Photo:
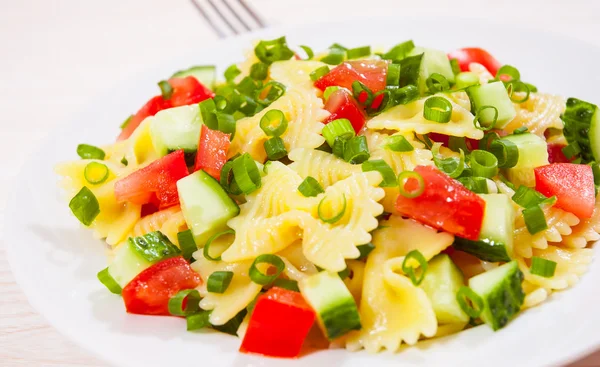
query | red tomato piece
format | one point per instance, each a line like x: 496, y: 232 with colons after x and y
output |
x: 155, y: 183
x: 465, y: 56
x: 279, y: 324
x: 572, y: 184
x: 372, y: 73
x: 186, y: 91
x: 444, y: 204
x: 212, y: 151
x: 342, y: 105
x: 149, y: 292
x: 555, y: 154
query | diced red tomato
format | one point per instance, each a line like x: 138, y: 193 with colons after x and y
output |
x: 186, y: 91
x: 342, y: 105
x: 572, y: 184
x: 465, y: 56
x: 372, y: 73
x: 555, y: 154
x: 444, y: 204
x: 149, y: 292
x: 279, y: 324
x: 212, y: 151
x: 155, y: 183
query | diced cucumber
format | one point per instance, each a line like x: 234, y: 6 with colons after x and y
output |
x: 496, y: 238
x: 502, y: 293
x: 533, y: 152
x: 582, y: 126
x: 492, y: 94
x: 434, y: 61
x: 127, y: 264
x: 332, y: 301
x: 442, y: 281
x: 205, y: 74
x: 176, y: 128
x: 206, y: 207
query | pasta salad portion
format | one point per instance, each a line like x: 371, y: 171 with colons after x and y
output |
x: 355, y: 198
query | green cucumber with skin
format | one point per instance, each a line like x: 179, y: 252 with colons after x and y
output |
x: 205, y: 74
x: 127, y: 264
x: 176, y: 128
x: 533, y: 152
x: 433, y: 61
x: 492, y: 94
x: 582, y: 127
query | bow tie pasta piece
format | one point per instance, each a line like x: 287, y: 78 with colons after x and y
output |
x: 322, y: 166
x: 408, y: 118
x: 294, y: 73
x: 586, y: 231
x: 138, y: 149
x: 297, y: 266
x: 116, y: 220
x: 168, y: 221
x: 539, y: 113
x: 392, y: 309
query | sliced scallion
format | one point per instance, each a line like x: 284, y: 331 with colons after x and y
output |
x: 410, y: 179
x: 246, y: 173
x: 126, y: 122
x: 275, y: 148
x: 259, y: 71
x: 339, y: 146
x: 335, y: 57
x: 527, y: 197
x: 274, y: 123
x: 356, y: 150
x: 410, y: 270
x: 520, y: 130
x: 508, y: 71
x: 437, y: 109
x: 198, y: 320
x: 273, y: 50
x: 95, y: 173
x: 455, y: 66
x: 231, y: 73
x: 399, y: 51
x: 340, y: 128
x: 484, y: 164
x: 477, y: 123
x: 85, y: 206
x: 219, y: 281
x: 187, y: 244
x: 405, y: 95
x: 535, y: 220
x: 288, y: 284
x: 437, y: 83
x: 309, y: 52
x: 188, y: 297
x: 476, y: 184
x: 109, y: 282
x: 319, y: 72
x: 269, y: 93
x: 166, y: 90
x: 335, y: 217
x: 329, y: 90
x: 362, y: 93
x: 261, y: 278
x: 572, y: 150
x: 379, y: 165
x: 365, y: 250
x: 86, y: 151
x: 451, y: 166
x: 518, y: 86
x: 393, y: 74
x: 398, y: 143
x: 358, y: 52
x: 542, y: 267
x: 310, y: 187
x: 206, y: 250
x: 506, y: 152
x: 470, y: 302
x: 466, y: 79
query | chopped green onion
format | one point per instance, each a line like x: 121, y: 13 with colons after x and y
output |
x: 405, y: 95
x: 382, y: 103
x: 437, y: 83
x: 506, y: 152
x: 124, y: 161
x: 259, y: 71
x: 520, y: 130
x: 408, y: 177
x: 318, y: 73
x: 399, y: 51
x: 455, y: 67
x: 126, y: 122
x: 154, y: 246
x: 208, y: 110
x: 535, y: 220
x: 393, y: 74
x: 288, y: 284
x: 231, y: 327
x: 572, y: 150
x: 227, y: 180
x: 219, y: 281
x: 365, y: 250
x: 542, y: 267
x: 518, y: 86
x: 484, y: 164
x: 358, y: 52
x: 187, y: 244
x: 344, y: 273
x: 165, y: 89
x: 329, y: 90
x: 362, y: 93
x: 596, y: 172
x: 334, y: 217
x: 476, y: 184
x: 339, y: 146
x: 410, y: 270
x: 274, y: 50
x: 335, y: 57
x: 86, y: 151
x: 411, y: 69
x: 451, y: 166
x: 85, y: 206
x: 398, y: 143
x: 437, y: 109
x: 246, y: 173
x: 231, y: 73
x: 275, y: 148
x: 527, y: 197
x: 356, y: 150
x: 272, y: 91
x: 466, y: 79
x: 467, y: 294
x: 262, y: 278
x: 189, y: 297
x: 310, y: 187
x: 456, y: 143
x: 337, y: 46
x: 379, y: 165
x: 95, y: 173
x: 476, y: 122
x: 488, y: 138
x: 109, y: 282
x: 247, y: 86
x: 340, y: 128
x: 206, y: 250
x: 198, y: 320
x: 225, y: 123
x: 508, y: 70
x: 309, y: 52
x: 274, y: 123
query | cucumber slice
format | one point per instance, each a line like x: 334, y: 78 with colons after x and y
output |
x: 496, y: 238
x: 176, y: 128
x: 335, y: 307
x: 433, y: 61
x: 582, y: 126
x: 502, y: 293
x: 492, y: 94
x: 442, y: 281
x: 533, y: 152
x: 127, y: 264
x: 206, y: 207
x: 205, y: 74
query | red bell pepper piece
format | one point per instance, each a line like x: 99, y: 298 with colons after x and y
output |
x: 212, y: 151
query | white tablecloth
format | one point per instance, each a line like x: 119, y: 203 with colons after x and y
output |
x: 57, y: 54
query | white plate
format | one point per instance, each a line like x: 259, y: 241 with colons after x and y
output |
x: 55, y: 260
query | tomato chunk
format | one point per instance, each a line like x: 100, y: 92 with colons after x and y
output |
x: 572, y: 184
x: 186, y: 91
x: 465, y: 56
x: 444, y: 204
x: 555, y: 154
x: 279, y: 324
x: 342, y: 105
x: 212, y: 151
x: 372, y: 73
x: 155, y: 183
x: 149, y: 292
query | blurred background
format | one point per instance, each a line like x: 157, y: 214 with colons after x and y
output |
x: 56, y: 55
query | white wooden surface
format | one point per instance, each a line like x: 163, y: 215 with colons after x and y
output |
x: 57, y: 54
